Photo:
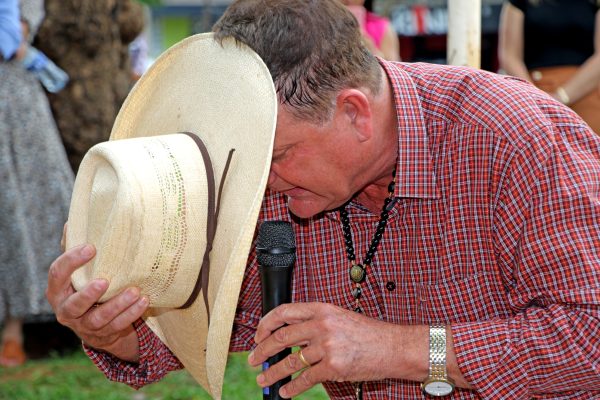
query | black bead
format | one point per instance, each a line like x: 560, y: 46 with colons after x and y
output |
x: 390, y: 286
x: 358, y: 272
x: 391, y: 205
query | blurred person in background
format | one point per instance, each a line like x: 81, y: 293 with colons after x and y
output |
x: 138, y: 49
x: 378, y: 33
x: 36, y: 182
x: 138, y: 52
x: 556, y: 46
x: 90, y: 40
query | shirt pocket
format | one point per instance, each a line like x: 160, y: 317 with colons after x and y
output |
x: 479, y: 297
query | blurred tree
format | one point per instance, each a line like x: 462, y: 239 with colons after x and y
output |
x: 89, y: 39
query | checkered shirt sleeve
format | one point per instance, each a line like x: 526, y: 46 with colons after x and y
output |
x: 156, y: 360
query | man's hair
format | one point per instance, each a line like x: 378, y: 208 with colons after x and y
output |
x: 313, y: 49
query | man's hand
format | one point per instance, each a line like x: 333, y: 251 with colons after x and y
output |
x: 340, y: 345
x: 106, y: 326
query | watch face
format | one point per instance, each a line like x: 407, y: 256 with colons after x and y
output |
x: 438, y: 388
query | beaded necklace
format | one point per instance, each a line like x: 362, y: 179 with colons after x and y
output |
x: 358, y: 272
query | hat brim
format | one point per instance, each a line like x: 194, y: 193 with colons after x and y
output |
x: 225, y: 95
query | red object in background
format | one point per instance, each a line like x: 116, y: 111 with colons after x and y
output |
x: 420, y: 13
x: 422, y: 33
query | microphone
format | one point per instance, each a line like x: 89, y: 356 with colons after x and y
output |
x: 276, y: 252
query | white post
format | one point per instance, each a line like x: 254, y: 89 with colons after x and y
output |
x: 464, y: 33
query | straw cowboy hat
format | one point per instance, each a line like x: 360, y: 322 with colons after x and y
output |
x: 147, y: 201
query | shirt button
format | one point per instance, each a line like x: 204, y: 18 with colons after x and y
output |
x: 390, y: 286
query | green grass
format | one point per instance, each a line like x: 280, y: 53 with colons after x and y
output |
x: 74, y: 377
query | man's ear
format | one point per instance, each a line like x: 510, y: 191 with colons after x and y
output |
x: 354, y: 107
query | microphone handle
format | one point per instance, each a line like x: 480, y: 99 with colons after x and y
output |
x: 276, y: 290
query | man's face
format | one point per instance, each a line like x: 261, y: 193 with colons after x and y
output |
x: 312, y: 164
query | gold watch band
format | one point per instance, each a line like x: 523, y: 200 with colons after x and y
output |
x: 437, y: 350
x: 437, y: 383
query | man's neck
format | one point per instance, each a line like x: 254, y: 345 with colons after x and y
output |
x: 373, y: 195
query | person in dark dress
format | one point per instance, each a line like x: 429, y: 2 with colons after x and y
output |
x: 556, y: 46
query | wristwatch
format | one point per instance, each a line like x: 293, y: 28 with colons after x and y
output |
x: 438, y: 383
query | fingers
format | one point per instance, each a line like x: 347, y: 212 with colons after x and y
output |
x: 291, y: 313
x: 309, y: 377
x: 284, y: 337
x: 304, y: 381
x: 288, y: 366
x: 104, y: 324
x: 117, y: 313
x: 59, y: 274
x: 76, y: 304
x: 130, y: 315
x: 101, y: 325
x: 341, y: 346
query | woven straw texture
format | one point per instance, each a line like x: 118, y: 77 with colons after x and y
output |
x: 225, y: 95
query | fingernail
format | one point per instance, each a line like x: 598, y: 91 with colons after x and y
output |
x: 260, y: 379
x: 251, y: 357
x: 132, y: 294
x: 100, y: 284
x: 143, y: 302
x: 86, y: 251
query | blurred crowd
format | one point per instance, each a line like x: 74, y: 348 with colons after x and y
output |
x: 64, y: 73
x: 66, y: 66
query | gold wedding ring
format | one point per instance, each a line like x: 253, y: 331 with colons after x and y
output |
x: 302, y: 359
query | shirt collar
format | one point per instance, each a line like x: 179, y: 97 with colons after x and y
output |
x: 415, y: 175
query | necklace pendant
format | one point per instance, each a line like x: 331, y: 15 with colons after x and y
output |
x: 357, y: 273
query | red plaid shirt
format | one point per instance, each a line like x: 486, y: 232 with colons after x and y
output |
x: 496, y: 232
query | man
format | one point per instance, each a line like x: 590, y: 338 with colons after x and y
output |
x: 470, y: 199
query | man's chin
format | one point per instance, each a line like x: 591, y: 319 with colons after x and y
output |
x: 303, y: 208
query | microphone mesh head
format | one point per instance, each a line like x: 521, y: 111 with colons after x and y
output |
x: 276, y: 246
